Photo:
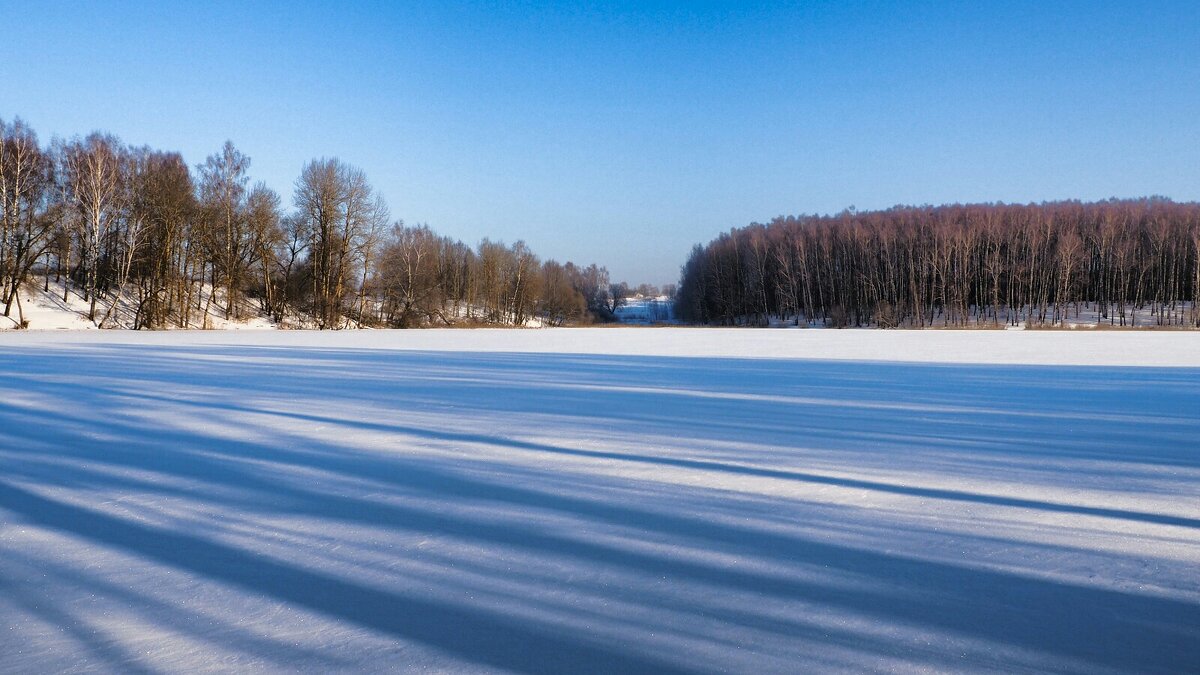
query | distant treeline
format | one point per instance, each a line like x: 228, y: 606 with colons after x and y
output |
x: 114, y: 221
x: 1042, y: 264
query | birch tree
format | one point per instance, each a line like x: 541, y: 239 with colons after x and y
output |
x: 92, y: 170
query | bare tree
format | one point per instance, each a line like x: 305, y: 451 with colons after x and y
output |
x: 92, y: 170
x: 341, y: 213
x: 223, y: 182
x: 561, y: 303
x: 618, y: 293
x: 412, y: 289
x: 264, y: 220
x: 28, y: 210
x: 165, y: 201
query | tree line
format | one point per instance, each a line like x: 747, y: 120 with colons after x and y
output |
x: 1121, y: 262
x: 137, y: 231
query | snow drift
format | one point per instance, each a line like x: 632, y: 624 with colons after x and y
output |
x: 620, y: 500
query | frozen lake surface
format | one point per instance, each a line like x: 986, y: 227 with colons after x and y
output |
x: 616, y: 500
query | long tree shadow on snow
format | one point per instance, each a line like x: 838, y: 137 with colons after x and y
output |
x: 1090, y: 627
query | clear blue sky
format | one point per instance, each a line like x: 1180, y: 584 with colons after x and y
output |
x: 623, y: 133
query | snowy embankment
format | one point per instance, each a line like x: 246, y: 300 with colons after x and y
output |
x: 619, y: 500
x: 55, y: 307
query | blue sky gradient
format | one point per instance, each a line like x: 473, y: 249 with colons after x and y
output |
x: 623, y: 133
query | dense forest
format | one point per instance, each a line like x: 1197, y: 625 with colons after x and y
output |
x: 1117, y: 262
x: 137, y: 228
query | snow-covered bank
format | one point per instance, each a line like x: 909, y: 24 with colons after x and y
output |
x: 58, y: 307
x: 618, y: 500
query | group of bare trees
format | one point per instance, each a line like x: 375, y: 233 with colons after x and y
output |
x: 29, y: 208
x: 1127, y: 262
x: 139, y: 236
x: 426, y: 279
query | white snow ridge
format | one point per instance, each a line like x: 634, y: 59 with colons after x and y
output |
x: 608, y: 500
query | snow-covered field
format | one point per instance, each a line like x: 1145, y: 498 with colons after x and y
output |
x: 617, y: 500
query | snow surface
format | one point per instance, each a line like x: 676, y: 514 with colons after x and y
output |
x: 617, y: 500
x: 46, y: 310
